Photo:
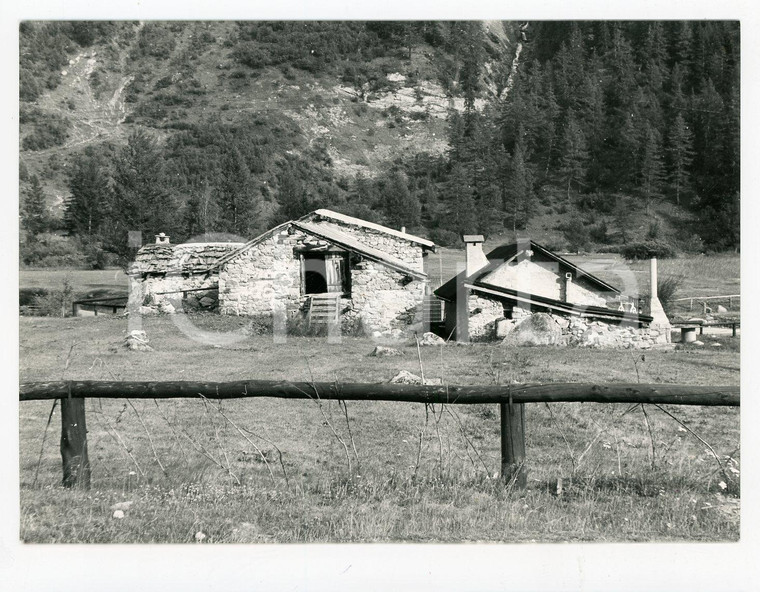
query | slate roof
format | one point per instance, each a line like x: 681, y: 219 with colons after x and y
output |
x: 180, y: 258
x: 505, y: 252
x: 336, y: 216
x: 353, y: 244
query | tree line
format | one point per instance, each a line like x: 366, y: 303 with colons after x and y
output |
x: 603, y: 121
x: 609, y: 116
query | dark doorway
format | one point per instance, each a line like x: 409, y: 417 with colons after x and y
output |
x: 314, y: 276
x: 323, y: 272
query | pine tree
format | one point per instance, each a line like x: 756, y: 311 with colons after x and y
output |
x: 681, y: 154
x: 519, y: 190
x: 237, y: 197
x: 460, y: 204
x: 89, y: 185
x: 652, y: 170
x: 574, y: 161
x: 140, y: 200
x: 400, y: 206
x: 291, y: 196
x: 34, y: 215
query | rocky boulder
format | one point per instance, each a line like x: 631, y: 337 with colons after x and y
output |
x: 432, y: 339
x: 137, y: 341
x: 382, y: 351
x: 537, y: 329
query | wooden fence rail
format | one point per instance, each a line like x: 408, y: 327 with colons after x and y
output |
x: 510, y: 398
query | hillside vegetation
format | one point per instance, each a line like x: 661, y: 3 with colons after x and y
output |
x: 588, y: 134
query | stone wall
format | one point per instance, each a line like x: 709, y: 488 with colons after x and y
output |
x: 148, y: 292
x: 484, y: 314
x: 487, y: 322
x: 268, y: 276
x: 383, y: 298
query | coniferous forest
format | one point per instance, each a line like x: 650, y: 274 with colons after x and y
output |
x: 585, y: 135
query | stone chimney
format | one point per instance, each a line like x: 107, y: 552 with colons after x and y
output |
x: 660, y: 320
x: 162, y: 239
x: 475, y: 259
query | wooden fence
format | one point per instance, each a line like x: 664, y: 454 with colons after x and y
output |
x: 95, y: 306
x: 511, y: 400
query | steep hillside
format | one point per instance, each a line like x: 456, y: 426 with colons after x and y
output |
x: 172, y: 76
x: 582, y: 135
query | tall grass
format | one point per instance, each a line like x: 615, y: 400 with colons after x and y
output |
x: 264, y: 470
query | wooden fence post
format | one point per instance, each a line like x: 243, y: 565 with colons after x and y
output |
x: 76, y: 462
x: 513, y: 443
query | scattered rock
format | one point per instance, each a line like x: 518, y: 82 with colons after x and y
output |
x: 137, y: 341
x: 432, y: 339
x: 716, y: 344
x: 698, y: 342
x: 199, y: 536
x: 118, y: 514
x: 146, y: 310
x: 537, y: 329
x: 504, y: 327
x: 123, y: 506
x: 381, y: 351
x: 207, y: 302
x: 406, y: 377
x: 721, y: 309
x: 166, y: 307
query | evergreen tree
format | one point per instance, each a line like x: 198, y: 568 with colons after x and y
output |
x: 291, y: 196
x: 575, y: 156
x: 519, y: 190
x: 401, y: 208
x: 460, y: 203
x: 237, y: 197
x: 652, y: 170
x: 89, y: 185
x: 34, y: 215
x: 140, y: 200
x: 681, y: 155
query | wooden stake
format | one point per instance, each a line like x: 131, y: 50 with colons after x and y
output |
x: 513, y: 443
x: 76, y: 462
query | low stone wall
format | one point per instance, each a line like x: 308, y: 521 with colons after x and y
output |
x: 484, y: 315
x: 487, y: 322
x: 155, y: 294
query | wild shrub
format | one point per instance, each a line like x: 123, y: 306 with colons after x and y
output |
x: 576, y: 233
x: 55, y: 303
x: 599, y: 232
x: 444, y: 237
x: 647, y: 250
x: 667, y: 289
x: 49, y: 130
x: 298, y: 325
x: 50, y: 250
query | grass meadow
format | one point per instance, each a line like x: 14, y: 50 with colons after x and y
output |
x: 270, y: 470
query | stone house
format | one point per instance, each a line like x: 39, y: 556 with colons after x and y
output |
x: 370, y: 276
x: 164, y: 276
x: 523, y: 289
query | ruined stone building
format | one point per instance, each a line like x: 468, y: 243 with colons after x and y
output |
x: 368, y: 276
x: 525, y: 293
